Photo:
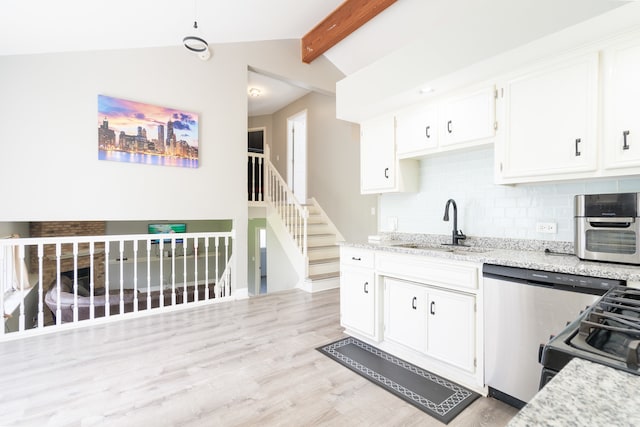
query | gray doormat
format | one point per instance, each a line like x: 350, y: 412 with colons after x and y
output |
x: 436, y: 396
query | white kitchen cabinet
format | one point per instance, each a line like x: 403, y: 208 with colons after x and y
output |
x: 405, y: 314
x: 380, y: 170
x: 550, y: 126
x: 358, y: 297
x: 451, y: 328
x: 416, y: 129
x: 468, y: 117
x: 621, y: 136
x: 436, y: 322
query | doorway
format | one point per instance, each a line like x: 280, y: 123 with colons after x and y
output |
x: 257, y: 256
x: 297, y: 155
x: 261, y: 261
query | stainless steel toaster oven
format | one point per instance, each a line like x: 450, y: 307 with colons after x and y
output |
x: 606, y: 227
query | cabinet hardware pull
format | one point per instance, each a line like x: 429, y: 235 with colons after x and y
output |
x: 432, y: 307
x: 449, y: 126
x: 625, y: 146
x: 386, y: 172
x: 356, y: 258
x: 426, y: 131
x: 366, y: 290
x: 578, y: 153
x: 413, y: 303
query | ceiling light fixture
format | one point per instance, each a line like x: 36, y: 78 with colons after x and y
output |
x: 254, y: 92
x: 196, y: 43
x: 425, y: 90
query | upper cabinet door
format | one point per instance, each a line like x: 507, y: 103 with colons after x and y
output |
x: 468, y: 118
x: 621, y: 136
x: 380, y: 170
x: 416, y: 129
x: 550, y: 122
x: 377, y: 155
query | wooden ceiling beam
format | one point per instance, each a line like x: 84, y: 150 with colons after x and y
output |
x: 348, y: 17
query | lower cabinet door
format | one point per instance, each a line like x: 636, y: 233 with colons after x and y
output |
x: 451, y: 328
x: 405, y: 313
x: 357, y: 300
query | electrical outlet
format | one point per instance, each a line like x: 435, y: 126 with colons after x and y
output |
x: 547, y: 227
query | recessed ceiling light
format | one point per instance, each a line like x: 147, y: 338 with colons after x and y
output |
x: 425, y: 89
x: 254, y: 91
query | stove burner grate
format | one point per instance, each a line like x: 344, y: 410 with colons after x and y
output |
x: 611, y: 327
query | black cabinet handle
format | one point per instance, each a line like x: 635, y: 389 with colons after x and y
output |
x: 386, y: 172
x: 449, y: 126
x: 432, y: 307
x: 356, y: 259
x: 366, y: 287
x: 578, y: 153
x: 625, y: 146
x: 426, y: 131
x: 413, y: 303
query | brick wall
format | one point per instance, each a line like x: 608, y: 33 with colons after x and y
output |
x: 67, y: 228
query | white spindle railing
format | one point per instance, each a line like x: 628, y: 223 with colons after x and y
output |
x: 114, y: 287
x: 292, y: 213
x: 255, y: 177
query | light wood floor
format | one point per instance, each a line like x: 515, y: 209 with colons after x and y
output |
x: 251, y: 362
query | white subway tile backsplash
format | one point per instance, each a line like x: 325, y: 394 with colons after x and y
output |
x: 595, y: 187
x: 628, y: 185
x: 484, y: 208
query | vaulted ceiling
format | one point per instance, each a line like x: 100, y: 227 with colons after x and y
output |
x: 477, y: 28
x: 39, y: 26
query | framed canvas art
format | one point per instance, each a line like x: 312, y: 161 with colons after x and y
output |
x: 134, y: 132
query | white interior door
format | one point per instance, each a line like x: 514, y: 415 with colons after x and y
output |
x: 297, y: 155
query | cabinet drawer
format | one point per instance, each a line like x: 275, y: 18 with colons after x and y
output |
x: 428, y: 270
x: 356, y: 257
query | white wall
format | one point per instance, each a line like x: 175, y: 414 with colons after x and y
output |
x: 486, y: 209
x: 333, y: 164
x: 48, y: 114
x: 281, y: 273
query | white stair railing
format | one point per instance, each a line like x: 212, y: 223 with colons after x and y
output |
x: 125, y: 275
x: 255, y: 177
x: 292, y: 213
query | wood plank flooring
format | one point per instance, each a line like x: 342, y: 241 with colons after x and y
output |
x: 250, y: 362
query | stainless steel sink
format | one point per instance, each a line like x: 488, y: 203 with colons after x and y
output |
x: 442, y: 248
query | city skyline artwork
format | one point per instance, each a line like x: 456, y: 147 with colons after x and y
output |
x: 135, y: 132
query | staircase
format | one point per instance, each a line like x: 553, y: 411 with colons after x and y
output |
x: 312, y: 236
x: 323, y: 253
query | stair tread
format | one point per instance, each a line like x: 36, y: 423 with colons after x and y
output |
x: 318, y: 248
x: 324, y: 260
x: 324, y: 276
x: 317, y: 236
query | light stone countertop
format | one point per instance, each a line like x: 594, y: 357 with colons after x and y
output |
x: 584, y: 394
x: 514, y: 253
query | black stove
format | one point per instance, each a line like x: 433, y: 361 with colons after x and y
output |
x: 608, y: 333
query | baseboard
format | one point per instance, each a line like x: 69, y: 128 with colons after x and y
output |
x: 241, y: 293
x: 313, y: 286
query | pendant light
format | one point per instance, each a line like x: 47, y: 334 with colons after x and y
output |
x: 197, y: 44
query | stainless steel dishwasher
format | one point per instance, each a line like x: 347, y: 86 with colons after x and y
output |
x: 522, y: 309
